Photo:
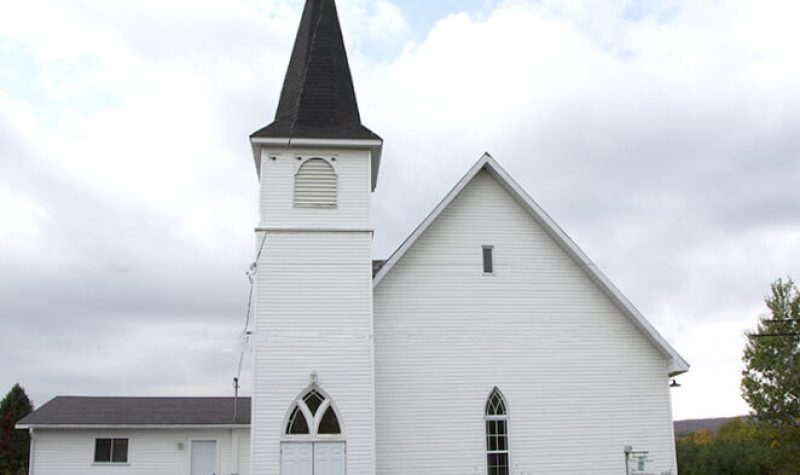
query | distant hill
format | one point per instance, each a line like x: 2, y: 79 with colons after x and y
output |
x: 690, y: 425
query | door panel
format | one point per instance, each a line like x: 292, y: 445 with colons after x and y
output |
x: 296, y: 459
x: 329, y: 458
x: 204, y: 457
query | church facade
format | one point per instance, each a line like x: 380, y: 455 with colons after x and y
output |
x: 488, y: 343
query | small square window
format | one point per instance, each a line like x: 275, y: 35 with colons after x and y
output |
x: 111, y: 450
x: 488, y: 260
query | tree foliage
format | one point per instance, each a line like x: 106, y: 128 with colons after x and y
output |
x: 14, y: 444
x: 740, y: 447
x: 771, y: 378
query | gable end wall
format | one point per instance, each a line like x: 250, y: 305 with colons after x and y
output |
x: 581, y: 381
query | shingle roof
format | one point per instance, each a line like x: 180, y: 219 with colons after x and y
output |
x: 318, y: 99
x: 376, y: 267
x: 139, y: 411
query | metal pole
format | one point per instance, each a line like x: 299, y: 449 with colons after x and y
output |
x: 235, y: 399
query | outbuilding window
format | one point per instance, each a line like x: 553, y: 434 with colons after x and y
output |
x: 111, y: 450
x: 315, y: 185
x: 497, y: 443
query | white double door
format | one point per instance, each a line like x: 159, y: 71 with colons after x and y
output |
x: 313, y: 458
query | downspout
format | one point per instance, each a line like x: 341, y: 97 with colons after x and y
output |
x: 234, y: 452
x: 32, y: 451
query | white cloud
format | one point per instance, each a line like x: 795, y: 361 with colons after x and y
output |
x: 22, y: 222
x: 373, y: 29
x: 661, y: 135
x: 712, y: 388
x: 662, y: 144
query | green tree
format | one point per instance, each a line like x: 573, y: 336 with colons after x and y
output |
x: 771, y: 378
x: 738, y: 448
x: 738, y: 430
x: 14, y: 444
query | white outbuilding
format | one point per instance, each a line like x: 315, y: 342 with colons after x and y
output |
x: 488, y: 343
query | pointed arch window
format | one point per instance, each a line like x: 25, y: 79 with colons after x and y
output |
x: 298, y: 425
x: 313, y: 415
x: 315, y: 184
x: 498, y: 454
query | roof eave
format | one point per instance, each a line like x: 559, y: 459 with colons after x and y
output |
x: 131, y: 426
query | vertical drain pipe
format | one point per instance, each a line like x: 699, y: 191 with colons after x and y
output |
x: 33, y: 451
x: 234, y: 431
x: 234, y: 451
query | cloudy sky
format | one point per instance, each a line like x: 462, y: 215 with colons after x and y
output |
x: 662, y: 135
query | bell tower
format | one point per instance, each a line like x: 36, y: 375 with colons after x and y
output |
x: 314, y: 396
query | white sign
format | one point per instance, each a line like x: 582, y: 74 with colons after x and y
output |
x: 638, y: 464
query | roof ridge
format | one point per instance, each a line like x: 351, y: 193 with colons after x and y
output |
x: 305, y: 73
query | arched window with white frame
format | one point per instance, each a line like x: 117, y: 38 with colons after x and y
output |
x: 313, y: 415
x: 498, y: 452
x: 315, y: 184
x: 313, y: 441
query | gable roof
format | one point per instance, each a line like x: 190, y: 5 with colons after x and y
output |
x: 318, y: 99
x: 72, y: 411
x: 676, y: 364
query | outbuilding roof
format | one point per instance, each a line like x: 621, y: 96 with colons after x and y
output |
x: 70, y: 411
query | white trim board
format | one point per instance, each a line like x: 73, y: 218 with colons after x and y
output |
x: 676, y: 363
x: 375, y: 146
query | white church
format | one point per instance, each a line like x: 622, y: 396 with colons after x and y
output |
x: 488, y: 343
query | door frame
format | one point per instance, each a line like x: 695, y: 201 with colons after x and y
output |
x: 217, y: 461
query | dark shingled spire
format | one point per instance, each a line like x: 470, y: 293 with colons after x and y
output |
x: 318, y: 99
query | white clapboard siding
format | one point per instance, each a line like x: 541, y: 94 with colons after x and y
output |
x: 314, y: 314
x: 313, y: 309
x: 280, y: 207
x: 315, y: 184
x: 150, y: 451
x: 581, y: 381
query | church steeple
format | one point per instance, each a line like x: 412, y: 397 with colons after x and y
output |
x: 317, y: 168
x: 318, y: 100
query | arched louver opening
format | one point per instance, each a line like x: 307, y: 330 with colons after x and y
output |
x: 313, y: 415
x: 497, y: 444
x: 315, y: 185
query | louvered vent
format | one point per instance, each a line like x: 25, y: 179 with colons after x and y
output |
x: 315, y: 185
